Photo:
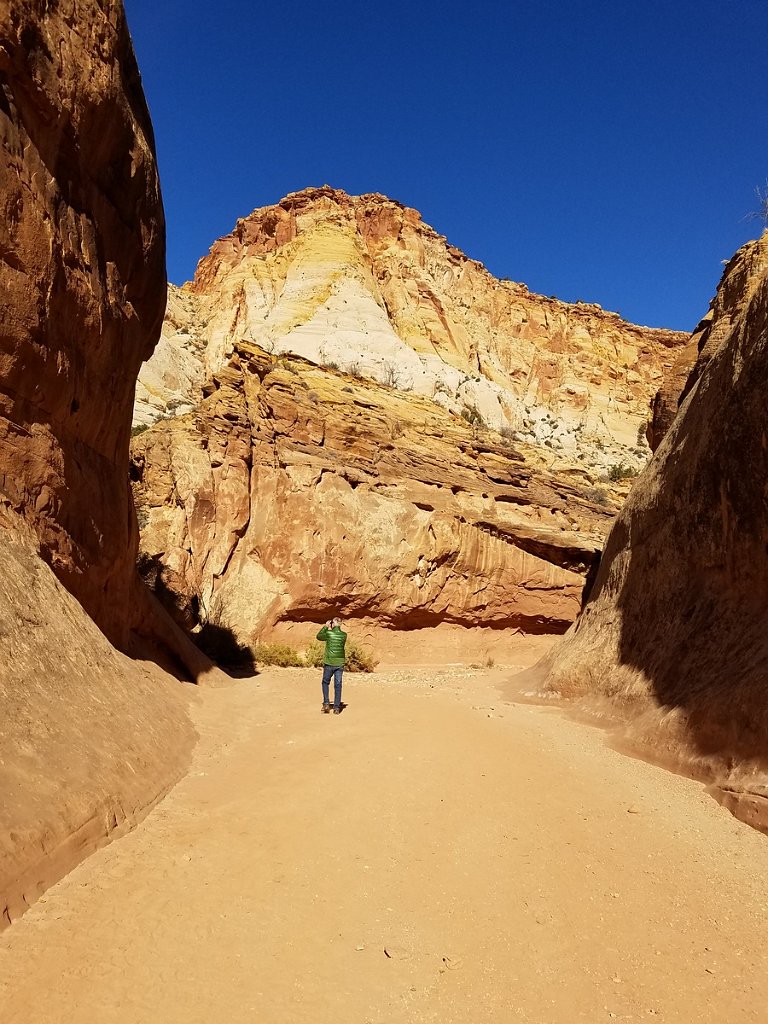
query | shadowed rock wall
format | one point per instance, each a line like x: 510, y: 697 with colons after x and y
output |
x: 676, y: 628
x: 82, y: 260
x: 90, y: 739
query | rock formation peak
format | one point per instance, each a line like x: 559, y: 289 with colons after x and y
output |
x: 363, y: 284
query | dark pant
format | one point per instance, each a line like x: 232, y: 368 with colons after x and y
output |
x: 328, y: 671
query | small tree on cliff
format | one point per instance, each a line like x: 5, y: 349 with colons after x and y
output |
x: 761, y: 213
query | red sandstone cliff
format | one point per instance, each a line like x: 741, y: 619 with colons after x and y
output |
x: 437, y: 454
x: 293, y: 491
x: 88, y: 738
x: 82, y: 257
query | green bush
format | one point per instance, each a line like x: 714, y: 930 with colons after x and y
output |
x: 473, y: 416
x: 621, y: 471
x: 313, y: 656
x: 139, y: 429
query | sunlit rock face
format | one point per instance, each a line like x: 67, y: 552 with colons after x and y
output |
x: 362, y: 284
x: 82, y: 252
x: 674, y: 632
x: 293, y: 490
x: 355, y: 415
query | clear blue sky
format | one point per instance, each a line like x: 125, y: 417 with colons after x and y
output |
x: 595, y: 150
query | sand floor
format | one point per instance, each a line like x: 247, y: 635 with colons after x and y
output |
x: 433, y: 854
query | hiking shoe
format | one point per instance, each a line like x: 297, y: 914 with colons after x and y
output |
x: 326, y: 708
x: 337, y: 711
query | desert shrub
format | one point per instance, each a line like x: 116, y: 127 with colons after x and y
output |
x: 354, y: 369
x: 359, y: 659
x: 473, y: 416
x: 596, y: 495
x: 281, y: 655
x: 391, y: 375
x: 761, y: 213
x: 139, y: 429
x: 621, y: 471
x: 313, y: 655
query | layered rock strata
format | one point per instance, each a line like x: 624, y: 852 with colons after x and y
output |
x: 294, y: 490
x: 362, y: 284
x: 674, y: 632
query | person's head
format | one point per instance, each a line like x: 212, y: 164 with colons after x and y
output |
x: 336, y: 621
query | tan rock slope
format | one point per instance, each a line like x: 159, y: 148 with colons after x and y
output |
x: 88, y: 738
x: 361, y: 283
x: 674, y: 632
x: 293, y: 491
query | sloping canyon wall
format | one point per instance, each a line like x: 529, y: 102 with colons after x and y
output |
x: 362, y: 284
x: 674, y: 632
x: 89, y: 739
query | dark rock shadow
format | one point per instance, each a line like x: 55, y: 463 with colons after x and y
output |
x: 686, y: 564
x: 222, y: 646
x: 219, y: 643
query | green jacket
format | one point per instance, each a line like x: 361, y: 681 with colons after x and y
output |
x: 335, y: 639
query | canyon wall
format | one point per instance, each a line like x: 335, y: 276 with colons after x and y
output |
x: 390, y: 432
x: 82, y: 257
x: 294, y: 491
x: 674, y: 631
x: 362, y: 284
x: 89, y: 738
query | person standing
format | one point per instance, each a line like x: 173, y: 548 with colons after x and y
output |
x: 333, y: 663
